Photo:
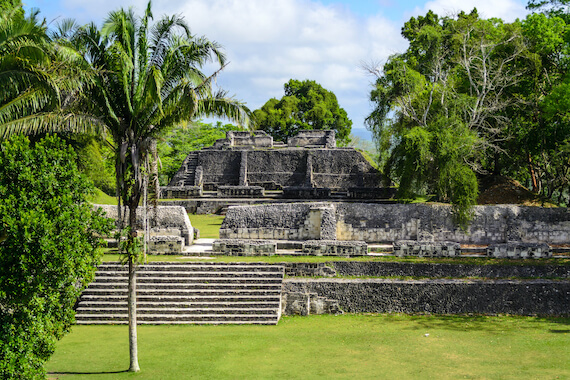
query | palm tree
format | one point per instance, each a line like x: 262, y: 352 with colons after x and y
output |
x: 37, y: 77
x: 145, y: 79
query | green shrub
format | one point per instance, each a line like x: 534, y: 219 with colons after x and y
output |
x: 48, y: 250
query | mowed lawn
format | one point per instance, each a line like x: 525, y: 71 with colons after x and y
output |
x: 368, y: 346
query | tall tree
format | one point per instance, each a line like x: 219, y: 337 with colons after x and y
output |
x: 539, y: 126
x: 552, y: 8
x: 439, y: 106
x: 306, y: 105
x: 147, y: 78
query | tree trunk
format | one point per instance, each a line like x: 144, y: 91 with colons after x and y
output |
x: 532, y: 174
x: 132, y: 293
x: 154, y: 170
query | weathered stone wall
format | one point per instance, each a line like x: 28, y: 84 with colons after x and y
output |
x: 343, y: 169
x: 326, y: 139
x: 168, y: 220
x: 491, y: 224
x: 276, y: 168
x: 291, y: 221
x: 257, y: 139
x: 220, y: 167
x: 387, y: 223
x: 431, y: 270
x: 532, y: 297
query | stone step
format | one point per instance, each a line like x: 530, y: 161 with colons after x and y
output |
x: 190, y: 318
x: 166, y: 264
x: 184, y: 279
x: 143, y: 270
x: 181, y: 299
x: 141, y: 311
x: 200, y: 293
x: 192, y: 274
x: 179, y: 322
x: 186, y: 292
x: 186, y: 285
x: 182, y: 304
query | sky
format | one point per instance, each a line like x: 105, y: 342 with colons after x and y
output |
x: 268, y: 42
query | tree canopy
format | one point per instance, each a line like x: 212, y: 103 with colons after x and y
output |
x: 470, y: 97
x: 305, y: 105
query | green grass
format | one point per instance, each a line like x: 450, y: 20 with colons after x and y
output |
x: 326, y: 347
x: 209, y: 225
x: 101, y: 198
x: 111, y: 256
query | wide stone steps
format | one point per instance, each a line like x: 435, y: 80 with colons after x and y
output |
x: 184, y: 297
x: 170, y: 293
x: 123, y: 281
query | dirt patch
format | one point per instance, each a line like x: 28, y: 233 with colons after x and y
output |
x: 503, y: 190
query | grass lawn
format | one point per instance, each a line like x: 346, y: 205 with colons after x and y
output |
x: 209, y: 225
x: 367, y: 346
x: 111, y: 255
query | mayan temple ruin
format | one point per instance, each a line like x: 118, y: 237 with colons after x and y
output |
x: 251, y: 165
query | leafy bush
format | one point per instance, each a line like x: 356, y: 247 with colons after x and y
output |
x: 48, y: 250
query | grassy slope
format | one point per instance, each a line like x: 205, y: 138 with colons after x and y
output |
x: 347, y: 346
x: 101, y: 198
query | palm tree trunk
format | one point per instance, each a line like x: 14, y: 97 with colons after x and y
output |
x: 132, y: 295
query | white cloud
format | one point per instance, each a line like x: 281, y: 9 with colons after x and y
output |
x: 269, y: 42
x: 508, y: 10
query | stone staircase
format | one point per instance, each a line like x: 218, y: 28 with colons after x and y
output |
x: 185, y: 175
x: 191, y: 164
x: 185, y: 293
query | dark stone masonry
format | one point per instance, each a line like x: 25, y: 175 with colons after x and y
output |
x: 310, y: 166
x: 519, y: 297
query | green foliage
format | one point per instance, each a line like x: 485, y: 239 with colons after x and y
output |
x: 540, y: 123
x: 556, y: 8
x: 441, y: 106
x: 48, y: 253
x: 175, y: 145
x: 431, y: 160
x: 306, y: 105
x: 40, y: 78
x: 101, y: 198
x: 94, y: 159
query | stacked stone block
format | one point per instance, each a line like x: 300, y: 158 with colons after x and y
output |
x: 237, y: 247
x: 335, y: 248
x: 518, y: 250
x: 241, y: 191
x: 181, y: 192
x: 165, y: 245
x: 426, y: 248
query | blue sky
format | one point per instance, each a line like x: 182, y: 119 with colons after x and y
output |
x: 269, y: 42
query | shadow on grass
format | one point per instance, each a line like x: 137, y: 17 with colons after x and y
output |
x: 87, y: 373
x: 560, y: 331
x: 477, y: 322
